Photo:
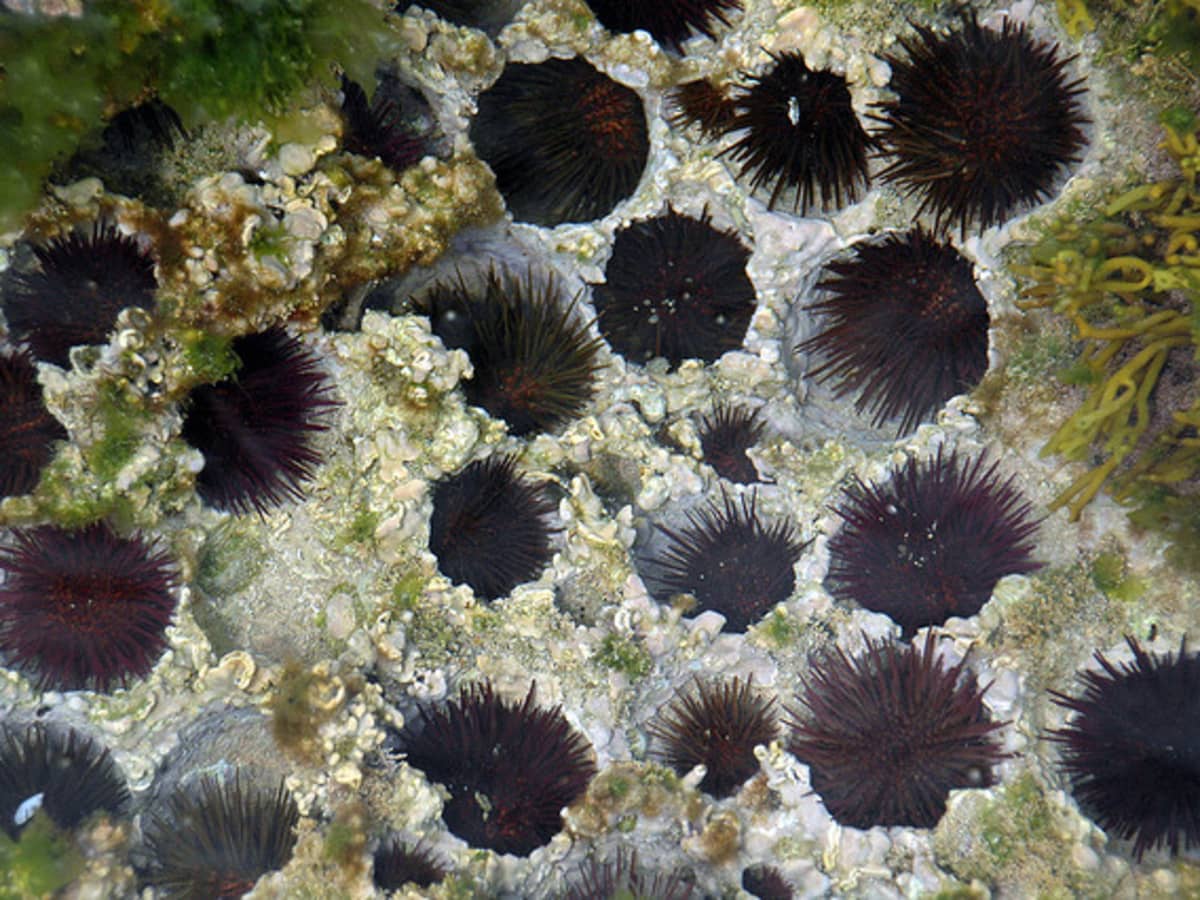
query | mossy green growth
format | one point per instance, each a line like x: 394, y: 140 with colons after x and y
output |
x: 208, y: 59
x: 295, y: 718
x: 43, y: 861
x: 230, y: 559
x: 1110, y: 574
x: 209, y: 356
x: 625, y: 655
x: 1127, y: 278
x: 121, y: 418
x: 361, y: 529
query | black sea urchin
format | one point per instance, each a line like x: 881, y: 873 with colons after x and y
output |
x: 729, y: 561
x: 801, y: 135
x: 718, y: 726
x: 27, y: 430
x: 982, y: 123
x: 670, y: 22
x: 887, y: 735
x: 510, y: 768
x: 59, y: 771
x: 489, y: 527
x: 376, y: 128
x: 81, y: 284
x: 256, y: 428
x: 534, y: 360
x: 84, y: 609
x: 489, y: 15
x: 703, y: 104
x: 399, y: 862
x: 931, y: 542
x: 217, y: 837
x: 567, y: 143
x: 622, y: 877
x: 675, y: 287
x: 906, y: 327
x: 1132, y: 748
x: 725, y: 436
x: 766, y: 883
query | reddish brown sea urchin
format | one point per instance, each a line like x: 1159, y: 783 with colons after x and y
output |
x: 1131, y: 749
x: 717, y: 726
x: 567, y: 143
x: 490, y: 528
x: 729, y: 560
x: 703, y: 104
x: 905, y: 327
x: 27, y: 430
x: 256, y: 428
x: 982, y: 123
x: 889, y: 733
x: 84, y: 609
x: 510, y: 768
x: 931, y: 542
x: 801, y: 135
x: 675, y: 287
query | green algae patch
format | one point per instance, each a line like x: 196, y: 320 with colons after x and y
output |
x: 625, y: 655
x: 42, y: 862
x: 299, y: 707
x: 1018, y: 841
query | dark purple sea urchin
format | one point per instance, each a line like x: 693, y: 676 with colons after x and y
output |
x: 982, y: 123
x: 567, y: 143
x: 510, y: 768
x: 216, y: 837
x: 490, y: 528
x: 931, y: 542
x: 704, y: 105
x: 622, y: 877
x: 398, y: 862
x: 725, y: 436
x: 27, y: 430
x: 670, y: 22
x: 82, y: 282
x: 534, y: 360
x: 905, y: 327
x: 84, y: 609
x: 729, y: 560
x: 718, y: 725
x: 675, y: 287
x: 256, y: 428
x: 1131, y: 749
x: 889, y: 733
x: 376, y: 128
x: 800, y: 135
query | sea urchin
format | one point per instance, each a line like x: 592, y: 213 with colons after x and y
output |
x: 729, y: 561
x: 376, y: 128
x: 725, y: 436
x: 675, y: 287
x: 670, y: 22
x: 84, y: 609
x: 1132, y: 748
x: 905, y: 326
x: 27, y: 430
x: 982, y: 122
x: 931, y: 542
x: 256, y: 428
x: 489, y: 527
x: 509, y: 768
x: 801, y: 135
x: 567, y: 143
x: 718, y: 726
x: 888, y: 734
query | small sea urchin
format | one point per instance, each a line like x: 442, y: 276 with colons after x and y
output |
x: 398, y: 862
x: 256, y: 428
x: 1131, y: 748
x: 27, y: 430
x: 766, y: 883
x: 718, y: 726
x: 725, y: 436
x: 84, y: 609
x: 216, y: 838
x: 675, y: 287
x: 703, y: 104
x: 931, y: 542
x: 982, y: 123
x: 801, y: 135
x: 670, y: 22
x: 888, y: 734
x: 376, y: 128
x: 622, y: 877
x: 82, y: 282
x: 489, y: 527
x: 59, y: 771
x: 905, y: 326
x: 729, y: 561
x: 534, y: 360
x: 567, y: 143
x: 510, y: 768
